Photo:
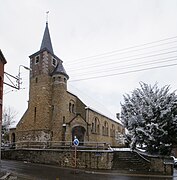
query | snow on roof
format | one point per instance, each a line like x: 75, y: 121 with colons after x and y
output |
x: 92, y: 104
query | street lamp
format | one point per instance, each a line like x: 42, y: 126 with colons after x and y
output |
x: 19, y: 78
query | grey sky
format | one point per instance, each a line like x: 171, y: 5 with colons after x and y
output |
x: 82, y: 28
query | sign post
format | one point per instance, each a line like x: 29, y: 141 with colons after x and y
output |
x: 76, y: 143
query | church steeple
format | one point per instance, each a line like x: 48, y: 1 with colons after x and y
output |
x: 44, y: 61
x: 46, y: 41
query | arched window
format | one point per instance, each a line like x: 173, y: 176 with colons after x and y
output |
x: 105, y: 128
x: 92, y: 127
x: 59, y: 78
x: 36, y: 80
x: 118, y: 129
x: 37, y: 59
x: 72, y: 106
x: 54, y: 62
x: 112, y: 131
x: 65, y: 80
x: 95, y: 125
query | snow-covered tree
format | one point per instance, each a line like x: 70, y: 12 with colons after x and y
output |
x: 150, y: 116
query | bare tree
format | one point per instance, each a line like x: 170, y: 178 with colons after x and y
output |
x: 8, y: 119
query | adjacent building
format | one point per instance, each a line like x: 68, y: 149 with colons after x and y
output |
x: 2, y: 62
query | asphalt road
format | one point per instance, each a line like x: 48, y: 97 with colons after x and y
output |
x: 33, y: 171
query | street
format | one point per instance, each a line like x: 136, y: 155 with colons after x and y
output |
x: 50, y: 172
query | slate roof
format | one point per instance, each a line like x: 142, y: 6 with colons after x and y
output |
x: 60, y: 70
x: 46, y: 41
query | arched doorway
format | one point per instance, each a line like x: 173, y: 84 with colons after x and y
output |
x: 79, y: 132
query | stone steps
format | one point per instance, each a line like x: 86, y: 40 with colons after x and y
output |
x: 130, y: 161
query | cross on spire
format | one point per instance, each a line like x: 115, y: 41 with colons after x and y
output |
x: 47, y: 16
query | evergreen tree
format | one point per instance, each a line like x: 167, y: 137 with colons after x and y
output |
x: 150, y: 116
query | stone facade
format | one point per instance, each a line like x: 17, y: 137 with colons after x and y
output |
x: 54, y: 113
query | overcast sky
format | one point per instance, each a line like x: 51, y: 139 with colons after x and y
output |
x: 107, y: 46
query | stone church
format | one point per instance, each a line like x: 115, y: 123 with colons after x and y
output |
x: 54, y: 114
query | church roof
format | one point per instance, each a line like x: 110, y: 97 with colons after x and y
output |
x: 92, y: 104
x: 46, y: 41
x: 60, y: 70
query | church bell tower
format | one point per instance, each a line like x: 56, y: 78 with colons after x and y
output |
x: 47, y: 72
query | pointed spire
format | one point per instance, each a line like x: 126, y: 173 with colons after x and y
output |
x: 46, y: 41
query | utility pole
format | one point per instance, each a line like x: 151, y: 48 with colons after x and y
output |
x: 17, y: 78
x: 13, y: 82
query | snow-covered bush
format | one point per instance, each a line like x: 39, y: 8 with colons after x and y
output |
x: 150, y: 116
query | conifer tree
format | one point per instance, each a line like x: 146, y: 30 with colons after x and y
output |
x: 150, y: 116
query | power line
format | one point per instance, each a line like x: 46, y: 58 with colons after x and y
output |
x: 121, y: 73
x: 162, y: 60
x: 123, y: 61
x: 125, y: 49
x: 146, y: 63
x: 108, y: 63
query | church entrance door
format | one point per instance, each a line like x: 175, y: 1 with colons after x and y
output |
x: 79, y: 132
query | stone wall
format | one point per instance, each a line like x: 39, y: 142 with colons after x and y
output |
x: 63, y: 158
x: 96, y: 159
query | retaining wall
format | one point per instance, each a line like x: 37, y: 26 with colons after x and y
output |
x: 95, y: 159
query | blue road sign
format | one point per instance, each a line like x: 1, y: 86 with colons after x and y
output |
x: 76, y: 142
